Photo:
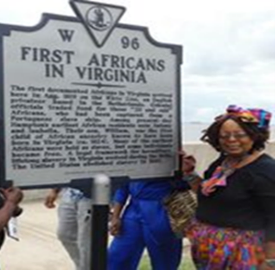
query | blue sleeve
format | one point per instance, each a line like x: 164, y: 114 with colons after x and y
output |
x: 121, y: 194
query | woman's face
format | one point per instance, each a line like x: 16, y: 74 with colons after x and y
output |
x: 233, y: 139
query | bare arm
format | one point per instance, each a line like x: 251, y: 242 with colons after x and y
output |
x: 51, y: 198
x: 13, y: 197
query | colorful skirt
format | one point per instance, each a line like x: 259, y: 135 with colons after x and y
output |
x: 215, y: 248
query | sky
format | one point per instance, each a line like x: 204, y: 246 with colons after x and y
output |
x: 228, y: 46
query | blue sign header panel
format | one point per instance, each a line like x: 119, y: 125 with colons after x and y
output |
x: 86, y: 95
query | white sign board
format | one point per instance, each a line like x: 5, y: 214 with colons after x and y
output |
x: 86, y: 95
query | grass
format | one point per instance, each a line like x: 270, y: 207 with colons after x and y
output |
x: 186, y: 264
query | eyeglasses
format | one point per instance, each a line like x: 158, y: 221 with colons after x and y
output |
x: 237, y: 136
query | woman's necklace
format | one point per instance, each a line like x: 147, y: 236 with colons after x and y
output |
x: 230, y: 164
x: 227, y: 168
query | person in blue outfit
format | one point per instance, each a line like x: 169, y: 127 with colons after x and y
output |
x: 140, y: 221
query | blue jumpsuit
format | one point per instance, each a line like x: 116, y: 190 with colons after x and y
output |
x: 145, y: 224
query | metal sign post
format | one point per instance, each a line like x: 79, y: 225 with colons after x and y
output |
x: 100, y: 212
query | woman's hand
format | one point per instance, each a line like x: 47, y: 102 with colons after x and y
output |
x: 188, y: 163
x: 188, y: 169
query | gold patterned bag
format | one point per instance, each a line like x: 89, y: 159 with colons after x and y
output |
x: 181, y: 207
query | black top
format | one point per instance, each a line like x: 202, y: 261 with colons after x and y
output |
x: 246, y: 202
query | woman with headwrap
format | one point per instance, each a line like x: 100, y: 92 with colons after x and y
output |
x: 234, y: 228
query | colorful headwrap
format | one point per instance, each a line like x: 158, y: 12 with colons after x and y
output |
x: 255, y: 115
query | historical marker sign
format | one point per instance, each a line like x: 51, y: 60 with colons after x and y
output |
x: 85, y: 95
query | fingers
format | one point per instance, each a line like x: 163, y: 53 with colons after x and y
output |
x: 190, y: 158
x: 114, y: 231
x: 115, y: 227
x: 51, y: 197
x: 189, y: 164
x: 182, y: 152
x: 186, y: 157
x: 50, y: 202
x: 14, y: 194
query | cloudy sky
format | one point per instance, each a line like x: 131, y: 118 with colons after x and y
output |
x: 229, y: 46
